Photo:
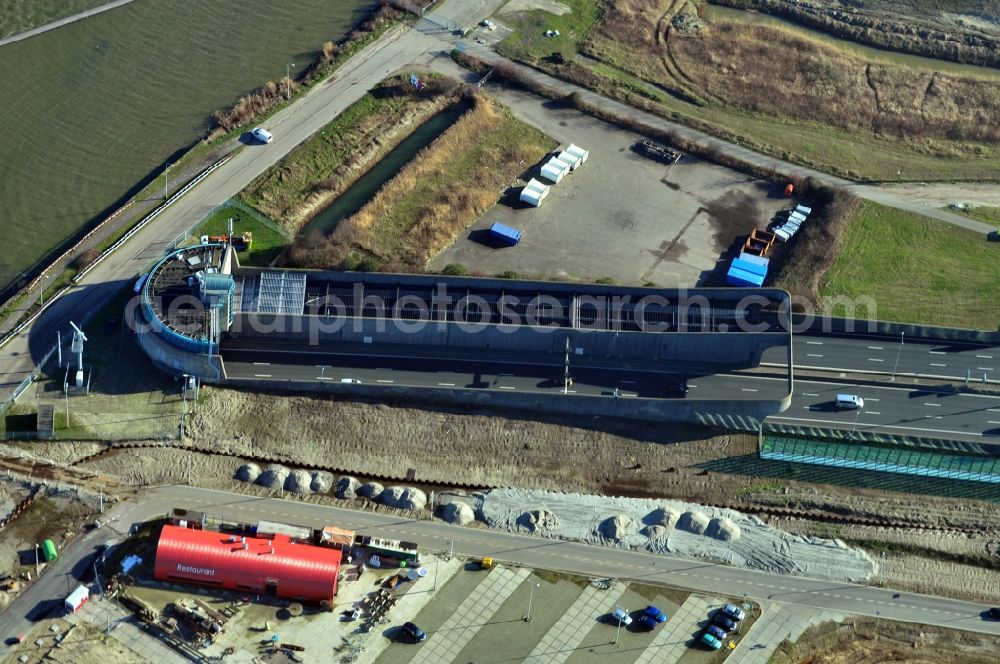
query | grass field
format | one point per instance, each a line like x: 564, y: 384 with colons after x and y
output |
x: 781, y: 93
x: 917, y: 270
x: 528, y: 41
x: 18, y: 16
x: 322, y: 167
x: 435, y: 197
x: 267, y: 242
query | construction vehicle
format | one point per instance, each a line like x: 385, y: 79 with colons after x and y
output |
x: 654, y: 150
x: 485, y: 563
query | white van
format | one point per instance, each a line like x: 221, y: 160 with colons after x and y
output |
x: 262, y: 135
x: 849, y: 402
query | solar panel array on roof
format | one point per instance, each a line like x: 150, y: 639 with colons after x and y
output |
x: 281, y: 292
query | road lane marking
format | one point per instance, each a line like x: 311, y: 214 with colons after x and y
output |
x: 935, y: 364
x: 447, y: 384
x: 993, y: 410
x: 380, y: 380
x: 874, y: 412
x: 936, y: 405
x: 984, y: 368
x: 262, y: 375
x: 813, y: 355
x: 815, y: 343
x: 506, y: 387
x: 872, y: 399
x: 747, y: 389
x: 937, y: 352
x: 936, y: 417
x: 262, y: 364
x: 992, y: 422
x: 323, y: 378
x: 875, y: 359
x: 810, y: 394
x: 985, y: 357
x: 876, y: 348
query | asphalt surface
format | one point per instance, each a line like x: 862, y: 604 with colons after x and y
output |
x: 595, y: 561
x: 890, y: 408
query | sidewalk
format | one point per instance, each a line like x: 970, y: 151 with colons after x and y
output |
x: 777, y: 623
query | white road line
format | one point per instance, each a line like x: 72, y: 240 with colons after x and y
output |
x: 875, y: 359
x: 993, y: 410
x: 985, y: 357
x: 876, y: 348
x: 262, y: 364
x: 936, y: 405
x: 984, y: 368
x: 323, y: 378
x: 992, y: 422
x: 747, y: 389
x: 506, y: 387
x: 937, y: 352
x: 447, y: 384
x: 934, y: 364
x: 380, y: 380
x: 262, y: 375
x: 872, y: 399
x: 873, y: 412
x: 813, y: 355
x: 815, y: 343
x: 810, y: 394
x: 936, y: 417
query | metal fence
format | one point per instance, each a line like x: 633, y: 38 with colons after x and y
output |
x: 888, y: 459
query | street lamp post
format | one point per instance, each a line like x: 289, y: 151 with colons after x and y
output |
x: 618, y: 630
x: 898, y: 352
x: 288, y: 80
x: 531, y: 596
x: 166, y: 182
x: 857, y: 414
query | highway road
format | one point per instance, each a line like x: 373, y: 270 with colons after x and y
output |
x: 585, y: 559
x: 890, y: 408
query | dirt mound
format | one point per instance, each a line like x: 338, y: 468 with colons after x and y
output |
x: 371, y: 490
x: 693, y: 522
x: 617, y: 528
x: 459, y: 513
x: 274, y: 476
x: 298, y: 481
x: 322, y: 481
x: 404, y: 497
x: 663, y: 516
x: 248, y: 472
x: 540, y: 519
x: 347, y: 487
x: 723, y: 529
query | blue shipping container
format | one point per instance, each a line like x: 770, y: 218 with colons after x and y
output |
x: 509, y: 235
x: 738, y: 277
x: 747, y: 266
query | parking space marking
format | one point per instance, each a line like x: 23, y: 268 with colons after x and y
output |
x: 575, y: 623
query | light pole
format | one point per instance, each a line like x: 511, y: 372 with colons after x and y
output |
x: 618, y: 631
x: 898, y: 353
x: 531, y: 596
x: 855, y: 425
x: 288, y: 80
x: 166, y: 182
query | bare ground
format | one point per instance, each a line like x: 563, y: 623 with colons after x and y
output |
x: 610, y: 457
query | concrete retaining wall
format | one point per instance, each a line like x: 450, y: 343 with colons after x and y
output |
x: 734, y: 350
x: 845, y: 326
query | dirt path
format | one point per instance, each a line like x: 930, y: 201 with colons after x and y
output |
x: 942, y: 194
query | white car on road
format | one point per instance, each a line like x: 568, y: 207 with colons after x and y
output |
x: 261, y: 134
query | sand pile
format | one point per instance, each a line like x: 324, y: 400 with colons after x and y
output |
x: 274, y: 476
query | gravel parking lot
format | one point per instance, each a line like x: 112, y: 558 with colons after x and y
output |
x: 620, y: 215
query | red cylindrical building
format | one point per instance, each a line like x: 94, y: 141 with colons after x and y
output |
x: 276, y: 567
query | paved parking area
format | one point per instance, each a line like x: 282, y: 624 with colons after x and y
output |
x: 620, y: 215
x: 777, y: 623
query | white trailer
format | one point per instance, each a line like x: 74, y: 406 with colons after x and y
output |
x: 76, y: 599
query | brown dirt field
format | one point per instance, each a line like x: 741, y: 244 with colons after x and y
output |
x: 773, y: 71
x: 869, y: 641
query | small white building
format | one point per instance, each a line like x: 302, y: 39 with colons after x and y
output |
x: 534, y: 192
x: 573, y: 161
x: 579, y: 152
x: 555, y: 170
